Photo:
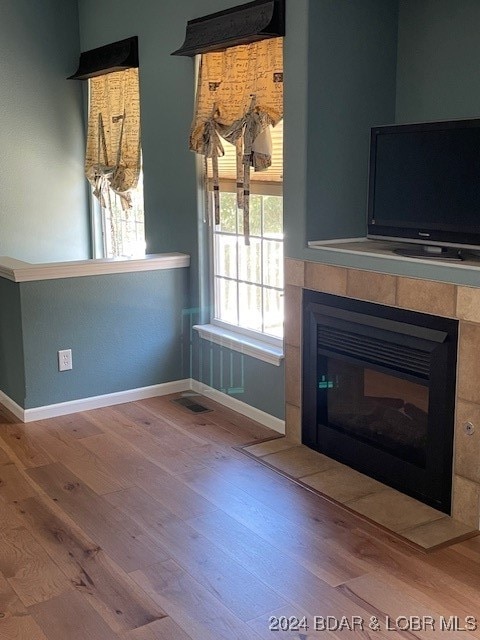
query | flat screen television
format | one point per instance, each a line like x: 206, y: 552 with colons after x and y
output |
x: 424, y: 186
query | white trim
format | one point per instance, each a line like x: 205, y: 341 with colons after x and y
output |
x: 19, y: 271
x: 241, y: 343
x: 107, y: 400
x: 266, y: 419
x: 12, y: 406
x: 131, y: 395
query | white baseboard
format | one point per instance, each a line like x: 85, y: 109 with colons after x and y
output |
x: 131, y: 395
x: 241, y: 407
x: 107, y: 400
x: 12, y: 406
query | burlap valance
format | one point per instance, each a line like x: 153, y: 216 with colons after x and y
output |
x: 113, y: 156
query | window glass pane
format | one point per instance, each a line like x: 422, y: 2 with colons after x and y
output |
x: 255, y: 216
x: 273, y: 263
x: 226, y: 300
x: 228, y: 212
x: 250, y: 260
x: 250, y: 306
x: 273, y: 312
x: 273, y: 216
x: 226, y: 256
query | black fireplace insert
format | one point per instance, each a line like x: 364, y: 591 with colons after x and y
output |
x: 379, y: 392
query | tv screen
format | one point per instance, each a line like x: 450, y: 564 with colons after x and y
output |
x: 424, y: 184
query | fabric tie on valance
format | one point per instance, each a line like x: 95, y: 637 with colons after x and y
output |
x: 113, y: 156
x: 239, y: 95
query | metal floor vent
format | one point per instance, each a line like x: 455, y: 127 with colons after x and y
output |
x: 191, y: 404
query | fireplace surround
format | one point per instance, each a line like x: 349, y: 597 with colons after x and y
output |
x: 443, y: 299
x: 379, y: 392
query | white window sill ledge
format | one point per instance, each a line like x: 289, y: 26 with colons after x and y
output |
x: 19, y: 271
x: 243, y: 344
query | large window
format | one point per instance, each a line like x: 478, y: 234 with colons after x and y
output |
x: 248, y: 278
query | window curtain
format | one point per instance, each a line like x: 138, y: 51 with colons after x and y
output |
x: 239, y: 96
x: 113, y: 156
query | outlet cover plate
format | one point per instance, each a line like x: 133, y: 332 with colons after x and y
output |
x: 65, y: 360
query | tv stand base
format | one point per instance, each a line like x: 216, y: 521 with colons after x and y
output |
x: 430, y: 252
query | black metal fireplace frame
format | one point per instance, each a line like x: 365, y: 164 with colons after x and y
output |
x: 432, y: 483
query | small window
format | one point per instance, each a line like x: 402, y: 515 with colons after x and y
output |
x: 113, y: 164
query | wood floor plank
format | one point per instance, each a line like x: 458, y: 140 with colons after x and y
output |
x: 169, y: 433
x: 75, y: 425
x: 166, y: 457
x: 121, y: 538
x: 12, y: 484
x: 109, y: 590
x: 19, y: 438
x: 389, y: 603
x: 304, y: 590
x: 294, y: 540
x: 29, y: 570
x: 204, y: 561
x: 191, y: 605
x: 70, y: 617
x: 136, y: 469
x: 83, y: 463
x: 24, y: 628
x: 165, y: 629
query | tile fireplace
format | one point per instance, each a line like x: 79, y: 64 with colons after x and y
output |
x: 434, y: 299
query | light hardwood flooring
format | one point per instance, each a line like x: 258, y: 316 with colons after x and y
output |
x: 142, y: 522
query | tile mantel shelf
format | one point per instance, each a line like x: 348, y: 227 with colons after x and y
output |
x: 19, y: 271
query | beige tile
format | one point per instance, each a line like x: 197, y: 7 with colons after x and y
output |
x: 326, y: 278
x: 293, y: 316
x: 468, y: 382
x: 466, y: 501
x: 342, y: 483
x: 299, y: 461
x: 293, y: 375
x: 374, y: 287
x: 438, y: 298
x: 293, y: 423
x: 294, y: 272
x: 394, y: 510
x: 439, y: 532
x: 272, y: 446
x: 467, y: 447
x: 468, y: 304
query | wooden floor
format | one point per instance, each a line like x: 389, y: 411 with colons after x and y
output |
x: 142, y: 522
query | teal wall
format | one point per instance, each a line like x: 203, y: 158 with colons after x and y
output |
x: 171, y: 188
x: 438, y: 60
x: 44, y: 215
x: 125, y: 331
x: 167, y: 99
x: 12, y: 372
x: 340, y: 71
x: 244, y: 378
x: 351, y: 87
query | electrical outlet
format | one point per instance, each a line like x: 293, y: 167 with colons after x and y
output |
x: 65, y: 360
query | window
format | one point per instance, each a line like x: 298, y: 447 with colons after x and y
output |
x: 248, y: 279
x: 113, y: 164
